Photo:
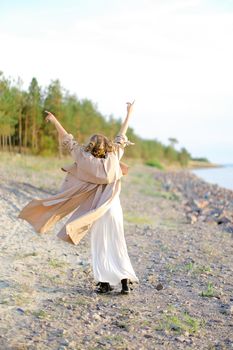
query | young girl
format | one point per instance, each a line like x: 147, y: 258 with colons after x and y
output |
x: 91, y: 191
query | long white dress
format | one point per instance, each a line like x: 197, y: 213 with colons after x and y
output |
x: 110, y: 259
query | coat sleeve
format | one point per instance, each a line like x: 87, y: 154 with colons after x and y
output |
x: 121, y: 141
x: 71, y: 145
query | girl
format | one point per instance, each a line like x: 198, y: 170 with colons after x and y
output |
x: 91, y: 191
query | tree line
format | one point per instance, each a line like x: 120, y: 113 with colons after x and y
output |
x: 23, y: 128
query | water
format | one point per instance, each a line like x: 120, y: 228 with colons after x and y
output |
x: 221, y: 176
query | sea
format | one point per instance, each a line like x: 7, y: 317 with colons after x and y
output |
x: 222, y: 176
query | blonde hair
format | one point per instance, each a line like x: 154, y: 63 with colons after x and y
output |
x: 99, y: 145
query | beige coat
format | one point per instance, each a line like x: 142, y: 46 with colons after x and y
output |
x: 88, y: 190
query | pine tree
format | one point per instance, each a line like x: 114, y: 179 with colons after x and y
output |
x: 33, y: 119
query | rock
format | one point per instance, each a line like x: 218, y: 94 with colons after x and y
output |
x: 223, y: 220
x: 174, y: 327
x: 96, y: 317
x: 151, y: 279
x: 201, y: 204
x: 226, y: 309
x: 148, y: 336
x: 64, y: 342
x: 215, y: 212
x: 181, y: 339
x: 159, y: 286
x: 192, y: 218
x: 21, y: 311
x: 70, y: 307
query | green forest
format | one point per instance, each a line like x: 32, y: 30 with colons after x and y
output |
x: 23, y: 128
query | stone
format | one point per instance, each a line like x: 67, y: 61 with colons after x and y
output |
x: 159, y: 286
x: 201, y: 204
x: 64, y: 342
x: 223, y: 220
x: 148, y: 336
x: 181, y: 339
x: 96, y: 317
x: 226, y: 309
x: 151, y: 279
x: 192, y: 218
x: 19, y: 310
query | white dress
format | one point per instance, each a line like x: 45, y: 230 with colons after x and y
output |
x: 110, y: 259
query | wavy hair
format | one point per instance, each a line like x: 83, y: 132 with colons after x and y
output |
x: 99, y: 145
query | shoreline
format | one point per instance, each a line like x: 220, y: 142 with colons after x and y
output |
x: 203, y: 165
x: 211, y: 179
x: 204, y: 201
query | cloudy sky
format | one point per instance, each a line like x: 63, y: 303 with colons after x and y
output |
x: 174, y: 57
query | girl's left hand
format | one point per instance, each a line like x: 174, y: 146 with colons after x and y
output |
x: 50, y: 117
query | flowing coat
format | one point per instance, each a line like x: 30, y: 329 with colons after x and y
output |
x: 88, y: 190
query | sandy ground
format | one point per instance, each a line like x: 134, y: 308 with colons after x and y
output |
x: 47, y: 292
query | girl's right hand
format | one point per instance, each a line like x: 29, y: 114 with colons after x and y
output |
x: 130, y: 106
x: 50, y: 117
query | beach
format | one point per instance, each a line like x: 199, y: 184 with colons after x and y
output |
x: 178, y: 230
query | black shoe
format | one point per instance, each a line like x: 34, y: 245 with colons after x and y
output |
x: 104, y: 287
x: 125, y: 288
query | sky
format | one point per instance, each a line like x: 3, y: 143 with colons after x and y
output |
x: 174, y: 57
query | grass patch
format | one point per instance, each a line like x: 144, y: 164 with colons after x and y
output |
x: 155, y: 164
x: 28, y: 167
x: 145, y: 323
x: 40, y: 314
x: 210, y: 291
x: 31, y: 162
x: 23, y: 295
x: 152, y: 192
x: 114, y: 339
x: 197, y: 269
x: 180, y: 322
x: 81, y: 302
x: 26, y: 255
x: 136, y: 219
x: 164, y: 248
x: 144, y: 179
x: 54, y: 279
x: 21, y: 299
x: 57, y: 263
x: 169, y: 223
x: 171, y: 268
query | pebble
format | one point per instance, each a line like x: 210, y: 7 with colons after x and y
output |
x: 226, y: 309
x: 180, y: 338
x: 21, y: 311
x: 151, y: 279
x: 159, y: 286
x: 96, y: 317
x: 64, y: 342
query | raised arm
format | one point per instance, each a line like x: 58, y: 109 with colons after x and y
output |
x: 51, y: 118
x: 125, y: 124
